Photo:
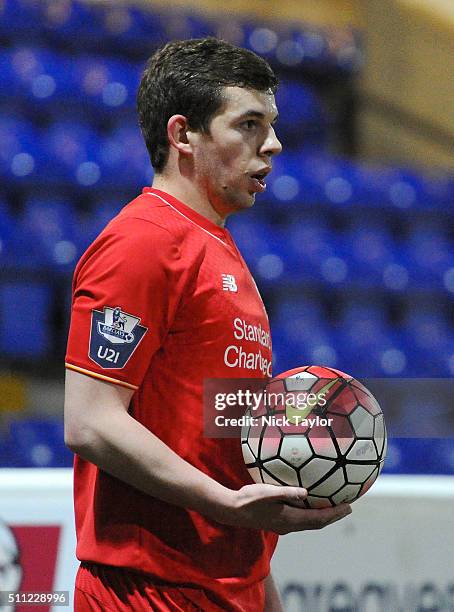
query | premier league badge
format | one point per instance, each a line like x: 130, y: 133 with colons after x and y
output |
x: 114, y: 337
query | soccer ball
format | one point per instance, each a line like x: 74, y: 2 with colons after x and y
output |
x: 317, y: 428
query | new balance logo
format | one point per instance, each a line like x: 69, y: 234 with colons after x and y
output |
x: 229, y: 283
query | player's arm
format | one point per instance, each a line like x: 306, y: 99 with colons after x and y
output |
x: 273, y: 602
x: 99, y: 428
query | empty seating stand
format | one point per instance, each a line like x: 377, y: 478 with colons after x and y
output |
x: 355, y: 261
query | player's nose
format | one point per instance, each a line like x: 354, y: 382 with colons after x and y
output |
x: 272, y: 144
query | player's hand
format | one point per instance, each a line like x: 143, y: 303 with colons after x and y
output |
x: 280, y: 509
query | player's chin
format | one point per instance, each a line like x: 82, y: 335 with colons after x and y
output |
x: 250, y: 200
x: 243, y: 202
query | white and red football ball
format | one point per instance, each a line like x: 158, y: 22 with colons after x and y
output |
x: 317, y: 428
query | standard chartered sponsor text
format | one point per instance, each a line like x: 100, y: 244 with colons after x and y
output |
x: 235, y: 356
x: 244, y: 331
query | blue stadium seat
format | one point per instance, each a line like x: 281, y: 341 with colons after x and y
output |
x: 25, y: 319
x: 429, y: 329
x: 103, y: 212
x: 96, y: 25
x: 284, y: 187
x: 285, y: 356
x: 425, y: 410
x: 399, y: 189
x: 438, y: 191
x: 419, y: 456
x: 35, y: 74
x: 319, y: 350
x: 129, y: 26
x: 80, y: 21
x: 303, y: 120
x: 289, y: 52
x: 316, y: 178
x: 301, y: 335
x: 368, y: 344
x: 374, y: 257
x: 429, y: 252
x: 41, y: 76
x: 105, y: 83
x: 406, y: 189
x: 314, y: 251
x: 431, y: 341
x: 40, y: 443
x: 443, y: 456
x: 19, y: 16
x: 260, y: 246
x: 200, y: 25
x: 123, y: 158
x: 70, y: 149
x: 7, y: 234
x: 314, y: 46
x: 325, y: 179
x: 260, y: 38
x: 151, y: 28
x: 291, y: 46
x: 404, y: 457
x: 51, y: 231
x: 8, y: 453
x: 21, y: 157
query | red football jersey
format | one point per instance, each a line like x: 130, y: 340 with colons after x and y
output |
x: 161, y: 301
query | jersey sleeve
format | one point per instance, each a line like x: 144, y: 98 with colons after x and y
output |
x: 126, y: 290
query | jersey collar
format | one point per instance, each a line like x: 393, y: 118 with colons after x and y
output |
x: 190, y: 214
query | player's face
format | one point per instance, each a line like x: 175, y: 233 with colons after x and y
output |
x: 232, y: 161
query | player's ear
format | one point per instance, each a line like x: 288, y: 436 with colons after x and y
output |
x: 177, y: 133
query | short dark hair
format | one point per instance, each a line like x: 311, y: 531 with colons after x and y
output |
x: 186, y: 77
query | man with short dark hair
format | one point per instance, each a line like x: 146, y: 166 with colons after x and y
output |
x: 165, y: 517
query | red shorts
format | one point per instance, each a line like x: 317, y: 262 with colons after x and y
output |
x: 101, y: 588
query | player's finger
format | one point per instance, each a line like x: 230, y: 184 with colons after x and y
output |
x: 344, y: 510
x: 293, y: 496
x: 315, y: 518
x: 335, y: 513
x: 326, y: 516
x: 341, y: 509
x: 287, y: 495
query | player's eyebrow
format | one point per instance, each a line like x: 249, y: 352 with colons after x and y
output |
x: 257, y: 115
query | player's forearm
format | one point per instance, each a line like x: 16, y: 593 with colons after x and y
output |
x: 273, y: 602
x: 124, y: 448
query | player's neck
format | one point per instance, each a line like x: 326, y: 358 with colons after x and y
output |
x: 188, y: 193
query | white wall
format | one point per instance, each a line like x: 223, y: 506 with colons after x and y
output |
x: 395, y: 553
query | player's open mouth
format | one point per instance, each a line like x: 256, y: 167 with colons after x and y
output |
x: 258, y: 180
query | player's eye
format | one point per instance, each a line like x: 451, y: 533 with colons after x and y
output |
x: 250, y: 124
